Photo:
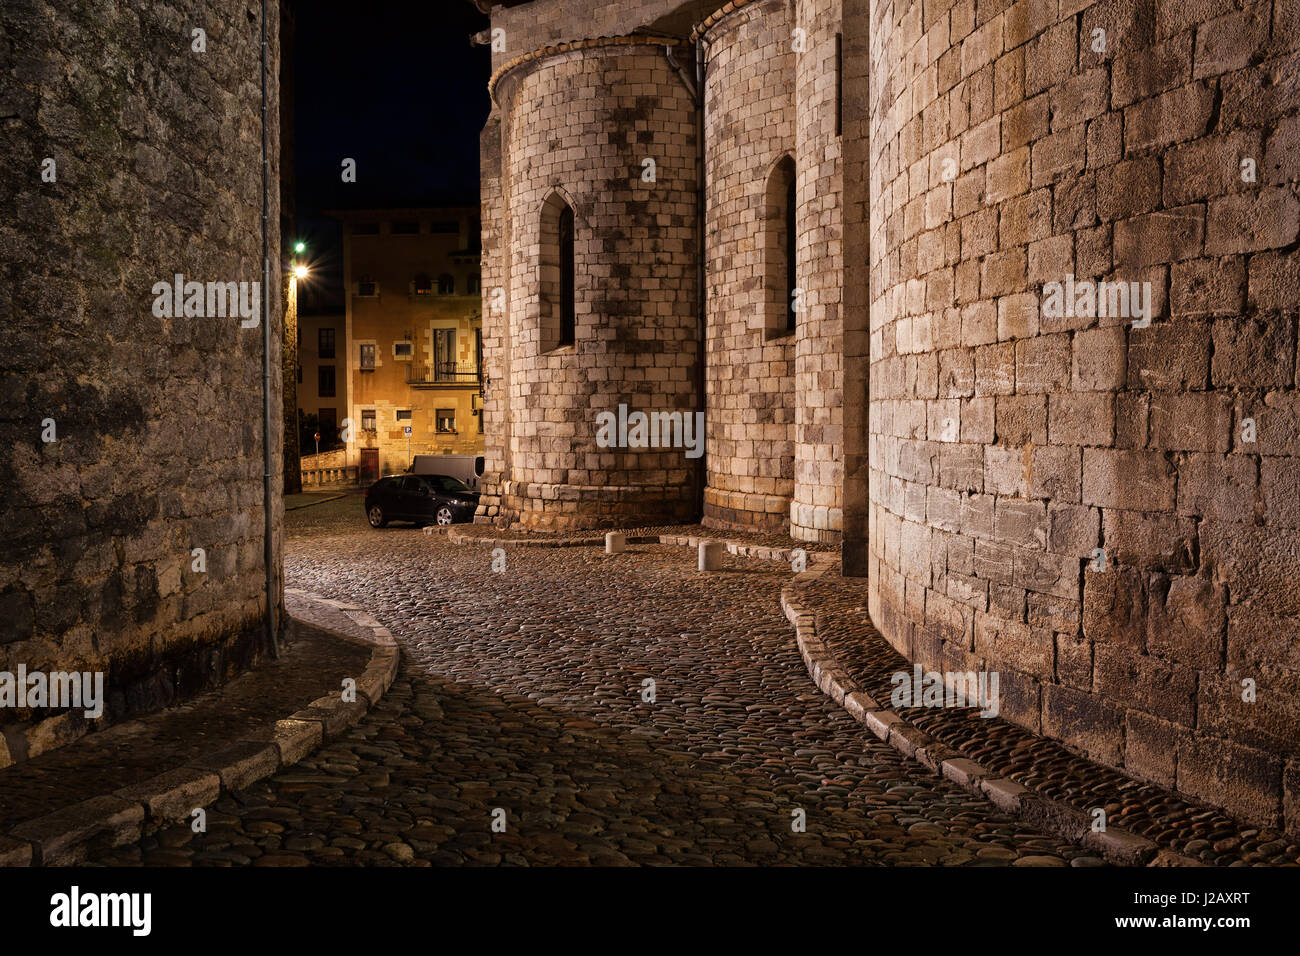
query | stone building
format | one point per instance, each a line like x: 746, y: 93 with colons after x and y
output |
x: 131, y: 424
x: 408, y: 353
x: 1092, y: 489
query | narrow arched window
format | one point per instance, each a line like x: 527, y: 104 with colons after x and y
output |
x: 556, y: 275
x: 789, y: 254
x: 779, y: 247
x: 568, y: 329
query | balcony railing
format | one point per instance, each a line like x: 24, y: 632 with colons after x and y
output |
x: 439, y: 374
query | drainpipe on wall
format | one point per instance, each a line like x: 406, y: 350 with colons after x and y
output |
x: 272, y: 633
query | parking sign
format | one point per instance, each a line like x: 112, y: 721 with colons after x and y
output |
x: 407, y: 429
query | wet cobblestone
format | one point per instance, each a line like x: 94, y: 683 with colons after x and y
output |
x: 523, y: 690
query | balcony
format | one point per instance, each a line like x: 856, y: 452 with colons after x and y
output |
x: 443, y: 374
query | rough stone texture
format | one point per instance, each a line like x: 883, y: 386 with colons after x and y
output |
x: 158, y: 153
x: 749, y: 129
x: 816, y: 511
x: 1007, y: 153
x: 576, y: 129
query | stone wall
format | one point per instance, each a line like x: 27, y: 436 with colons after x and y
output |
x: 749, y: 129
x: 157, y: 154
x: 816, y: 511
x: 577, y: 129
x: 1013, y: 447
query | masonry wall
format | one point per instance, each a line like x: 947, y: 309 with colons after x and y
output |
x: 816, y: 512
x: 158, y: 421
x: 578, y: 126
x: 1009, y: 149
x: 749, y: 128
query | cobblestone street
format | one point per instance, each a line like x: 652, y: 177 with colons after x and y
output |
x: 522, y: 690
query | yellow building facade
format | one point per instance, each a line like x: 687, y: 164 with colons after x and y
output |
x: 414, y: 336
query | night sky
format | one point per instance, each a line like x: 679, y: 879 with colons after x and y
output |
x: 397, y: 87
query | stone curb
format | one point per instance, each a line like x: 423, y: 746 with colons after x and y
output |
x: 63, y: 837
x: 1115, y: 845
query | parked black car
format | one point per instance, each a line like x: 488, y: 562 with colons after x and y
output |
x: 424, y: 499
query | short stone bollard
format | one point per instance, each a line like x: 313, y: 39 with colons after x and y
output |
x: 615, y: 542
x: 711, y: 553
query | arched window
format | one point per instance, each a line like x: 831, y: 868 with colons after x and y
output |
x: 568, y: 320
x: 557, y: 308
x: 780, y: 242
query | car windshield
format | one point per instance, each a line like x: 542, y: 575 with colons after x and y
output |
x: 448, y: 485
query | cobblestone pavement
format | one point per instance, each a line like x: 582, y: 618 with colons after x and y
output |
x: 523, y: 690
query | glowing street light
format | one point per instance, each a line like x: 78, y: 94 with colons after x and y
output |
x: 300, y: 271
x: 300, y: 247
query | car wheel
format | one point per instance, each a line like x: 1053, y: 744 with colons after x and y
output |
x: 376, y: 516
x: 444, y: 515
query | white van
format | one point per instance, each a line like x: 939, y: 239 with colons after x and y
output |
x: 468, y: 468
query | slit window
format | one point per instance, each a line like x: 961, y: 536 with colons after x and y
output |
x: 557, y: 275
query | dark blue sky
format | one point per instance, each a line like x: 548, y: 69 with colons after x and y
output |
x: 395, y: 86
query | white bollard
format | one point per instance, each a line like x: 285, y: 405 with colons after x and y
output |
x: 615, y: 542
x: 711, y: 553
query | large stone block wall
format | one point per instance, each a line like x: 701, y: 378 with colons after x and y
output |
x: 578, y: 125
x: 816, y: 512
x: 749, y: 128
x: 1009, y: 149
x: 158, y: 164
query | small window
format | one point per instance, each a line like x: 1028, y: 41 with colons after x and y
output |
x: 325, y: 381
x: 402, y: 350
x: 403, y: 414
x: 299, y: 374
x: 779, y: 251
x: 556, y: 279
x: 367, y: 358
x: 365, y: 229
x: 406, y: 228
x: 446, y: 420
x: 367, y: 287
x: 568, y: 330
x: 475, y: 285
x: 422, y: 284
x: 367, y: 419
x: 325, y: 343
x: 446, y: 284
